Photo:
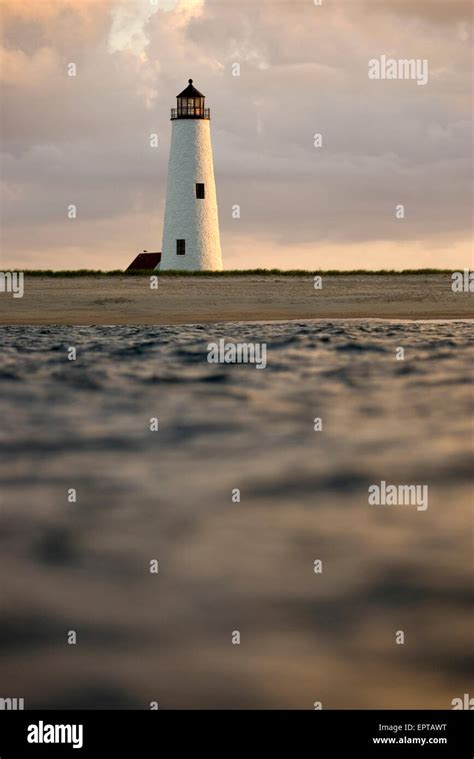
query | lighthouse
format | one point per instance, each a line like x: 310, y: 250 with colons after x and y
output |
x: 191, y: 240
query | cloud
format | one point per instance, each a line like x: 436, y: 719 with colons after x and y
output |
x: 64, y: 25
x: 442, y: 12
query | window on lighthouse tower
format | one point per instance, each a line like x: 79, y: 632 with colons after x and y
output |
x: 200, y: 190
x: 180, y: 247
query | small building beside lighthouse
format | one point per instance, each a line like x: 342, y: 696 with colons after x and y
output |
x: 191, y: 239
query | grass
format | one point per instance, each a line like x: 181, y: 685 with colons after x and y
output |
x: 230, y: 273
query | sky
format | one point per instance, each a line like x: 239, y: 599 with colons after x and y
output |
x: 303, y: 65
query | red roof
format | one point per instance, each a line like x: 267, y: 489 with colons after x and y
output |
x: 145, y: 261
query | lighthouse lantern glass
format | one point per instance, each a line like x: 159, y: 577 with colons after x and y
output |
x: 190, y: 106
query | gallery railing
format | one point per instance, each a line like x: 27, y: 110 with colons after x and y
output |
x: 190, y: 112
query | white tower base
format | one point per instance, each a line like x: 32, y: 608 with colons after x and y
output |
x: 188, y: 217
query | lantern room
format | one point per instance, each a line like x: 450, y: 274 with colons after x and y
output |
x: 190, y: 104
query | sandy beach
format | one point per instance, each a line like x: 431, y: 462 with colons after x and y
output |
x: 189, y: 300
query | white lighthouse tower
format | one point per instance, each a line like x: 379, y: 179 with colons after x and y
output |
x: 191, y: 239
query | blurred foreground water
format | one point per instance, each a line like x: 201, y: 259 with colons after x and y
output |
x: 226, y: 566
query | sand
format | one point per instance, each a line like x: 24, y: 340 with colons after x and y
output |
x: 188, y: 300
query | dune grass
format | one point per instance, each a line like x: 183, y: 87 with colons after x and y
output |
x: 231, y: 272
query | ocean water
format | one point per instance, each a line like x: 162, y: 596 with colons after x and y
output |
x: 226, y: 566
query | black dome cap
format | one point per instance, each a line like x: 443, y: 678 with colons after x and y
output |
x: 190, y: 92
